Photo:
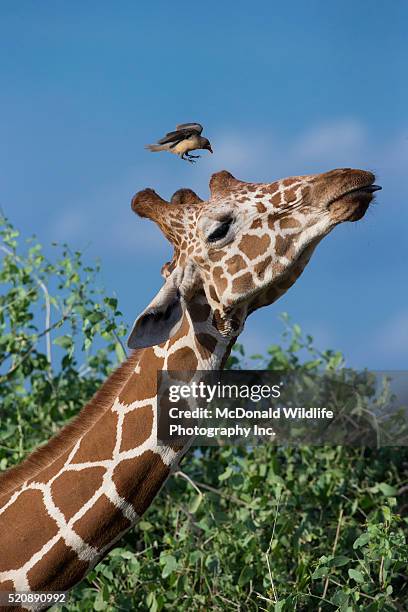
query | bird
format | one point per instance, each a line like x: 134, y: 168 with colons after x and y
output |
x: 185, y: 138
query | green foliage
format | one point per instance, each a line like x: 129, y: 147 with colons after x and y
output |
x: 237, y: 528
x: 271, y: 528
x: 52, y: 318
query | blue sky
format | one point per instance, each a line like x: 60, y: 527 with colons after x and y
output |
x: 282, y: 89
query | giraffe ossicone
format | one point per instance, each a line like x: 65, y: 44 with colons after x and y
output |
x: 65, y: 506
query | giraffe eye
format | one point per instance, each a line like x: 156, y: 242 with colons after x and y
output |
x: 220, y: 232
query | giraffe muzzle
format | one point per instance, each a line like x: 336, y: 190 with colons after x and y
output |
x: 348, y: 193
x: 355, y: 202
x: 363, y: 190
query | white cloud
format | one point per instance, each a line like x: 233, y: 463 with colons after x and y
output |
x: 330, y: 140
x: 267, y: 157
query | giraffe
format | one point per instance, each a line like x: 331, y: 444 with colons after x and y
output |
x: 68, y: 503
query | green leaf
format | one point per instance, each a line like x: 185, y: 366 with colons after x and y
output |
x: 152, y: 602
x: 145, y: 526
x: 387, y: 489
x: 362, y: 540
x: 63, y: 341
x: 170, y: 565
x: 356, y: 575
x: 225, y: 475
x: 386, y: 513
x: 340, y: 598
x: 111, y: 302
x: 99, y: 603
x: 120, y: 353
x: 339, y: 561
x: 195, y: 503
x: 320, y: 572
x: 126, y: 554
x: 245, y: 576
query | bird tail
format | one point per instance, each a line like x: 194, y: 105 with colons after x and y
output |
x: 154, y: 148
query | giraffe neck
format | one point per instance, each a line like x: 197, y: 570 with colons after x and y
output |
x: 97, y: 485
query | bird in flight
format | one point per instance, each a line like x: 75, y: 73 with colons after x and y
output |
x: 185, y: 138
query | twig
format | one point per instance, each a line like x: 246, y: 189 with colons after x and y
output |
x: 46, y: 299
x: 119, y: 341
x: 17, y: 299
x: 198, y: 530
x: 358, y: 508
x: 7, y: 449
x: 263, y: 597
x: 336, y: 539
x: 269, y: 550
x: 221, y: 494
x: 32, y: 347
x: 189, y: 480
x: 321, y: 599
x: 237, y: 606
x: 47, y: 321
x: 381, y: 573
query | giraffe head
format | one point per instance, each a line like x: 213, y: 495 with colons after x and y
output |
x: 245, y: 246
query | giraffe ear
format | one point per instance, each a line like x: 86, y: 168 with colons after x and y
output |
x: 161, y: 319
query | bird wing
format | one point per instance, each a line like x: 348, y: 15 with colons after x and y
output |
x: 172, y: 137
x: 197, y: 127
x: 181, y: 133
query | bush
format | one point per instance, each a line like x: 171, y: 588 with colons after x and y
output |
x: 245, y: 528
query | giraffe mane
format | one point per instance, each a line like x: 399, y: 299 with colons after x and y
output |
x: 43, y: 456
